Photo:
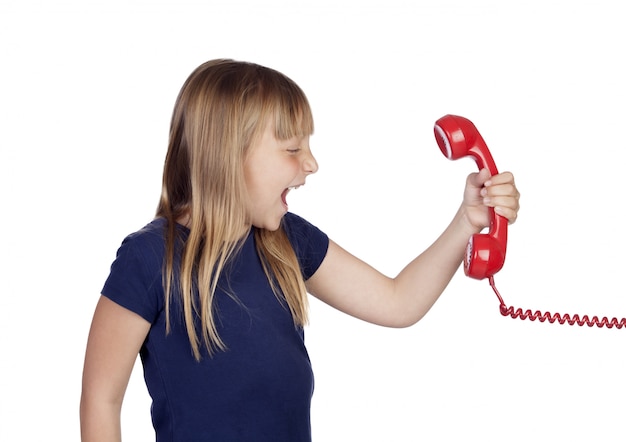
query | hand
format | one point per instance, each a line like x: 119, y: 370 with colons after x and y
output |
x: 483, y: 191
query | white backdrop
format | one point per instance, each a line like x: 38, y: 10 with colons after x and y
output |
x: 86, y: 92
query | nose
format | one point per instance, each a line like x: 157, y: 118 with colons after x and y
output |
x: 310, y: 163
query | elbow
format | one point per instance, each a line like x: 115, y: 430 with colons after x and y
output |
x: 407, y: 314
x: 405, y: 319
x: 99, y: 419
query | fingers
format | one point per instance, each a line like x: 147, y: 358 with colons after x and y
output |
x: 500, y: 192
x: 502, y: 178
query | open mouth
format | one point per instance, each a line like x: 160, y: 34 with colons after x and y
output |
x: 283, y: 196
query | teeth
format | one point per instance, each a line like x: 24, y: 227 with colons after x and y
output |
x: 293, y: 187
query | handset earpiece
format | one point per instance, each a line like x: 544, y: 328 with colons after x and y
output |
x: 457, y: 137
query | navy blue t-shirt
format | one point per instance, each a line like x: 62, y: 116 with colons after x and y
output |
x: 260, y: 387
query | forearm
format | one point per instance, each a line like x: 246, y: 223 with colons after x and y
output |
x: 421, y: 283
x: 418, y: 286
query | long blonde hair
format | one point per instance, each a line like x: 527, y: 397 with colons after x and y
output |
x: 221, y: 109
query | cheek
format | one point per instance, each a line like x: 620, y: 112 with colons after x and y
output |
x: 259, y: 187
x: 252, y: 178
x: 266, y: 180
x: 290, y: 169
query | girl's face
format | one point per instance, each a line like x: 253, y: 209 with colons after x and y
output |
x: 272, y: 168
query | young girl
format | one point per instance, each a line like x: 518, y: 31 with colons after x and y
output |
x: 212, y: 294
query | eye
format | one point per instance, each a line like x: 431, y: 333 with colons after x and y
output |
x: 294, y: 150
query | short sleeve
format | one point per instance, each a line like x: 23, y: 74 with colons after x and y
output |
x: 309, y: 243
x: 135, y: 279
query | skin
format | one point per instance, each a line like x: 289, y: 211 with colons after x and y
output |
x: 271, y: 169
x: 342, y: 281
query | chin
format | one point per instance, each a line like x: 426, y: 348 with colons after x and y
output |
x: 271, y: 225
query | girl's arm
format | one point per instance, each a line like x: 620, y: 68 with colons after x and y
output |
x: 115, y: 338
x: 352, y: 286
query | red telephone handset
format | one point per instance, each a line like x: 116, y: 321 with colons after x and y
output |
x: 457, y: 137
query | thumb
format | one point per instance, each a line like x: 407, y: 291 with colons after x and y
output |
x: 479, y: 179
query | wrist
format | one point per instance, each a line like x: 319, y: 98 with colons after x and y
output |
x: 464, y: 222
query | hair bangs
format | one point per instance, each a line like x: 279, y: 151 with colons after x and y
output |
x: 292, y: 113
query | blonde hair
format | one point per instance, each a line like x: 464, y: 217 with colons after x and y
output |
x: 221, y: 109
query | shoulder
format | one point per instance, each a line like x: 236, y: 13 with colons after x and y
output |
x: 149, y: 241
x: 300, y: 230
x: 296, y: 225
x: 152, y: 233
x: 135, y: 276
x: 308, y: 241
x: 145, y: 247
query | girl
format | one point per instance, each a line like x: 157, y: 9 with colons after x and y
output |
x: 212, y: 294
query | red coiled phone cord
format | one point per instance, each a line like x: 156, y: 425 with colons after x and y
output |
x: 551, y: 318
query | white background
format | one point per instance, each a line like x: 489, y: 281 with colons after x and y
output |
x: 86, y: 93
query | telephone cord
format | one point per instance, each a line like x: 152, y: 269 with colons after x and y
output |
x: 551, y: 318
